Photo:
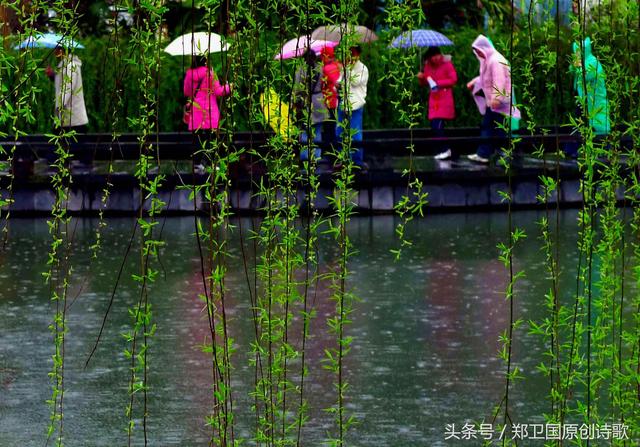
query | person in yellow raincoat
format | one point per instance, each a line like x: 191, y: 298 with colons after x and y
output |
x: 277, y: 116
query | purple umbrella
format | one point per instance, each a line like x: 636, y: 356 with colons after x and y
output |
x: 421, y: 38
x: 297, y: 47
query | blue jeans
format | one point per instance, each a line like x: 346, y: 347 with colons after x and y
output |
x: 354, y: 126
x: 490, y: 127
x: 317, y: 138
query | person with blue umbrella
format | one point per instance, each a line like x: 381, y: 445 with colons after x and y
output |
x: 70, y: 113
x: 70, y: 110
x: 440, y: 75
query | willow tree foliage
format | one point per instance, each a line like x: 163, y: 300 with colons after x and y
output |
x: 591, y: 331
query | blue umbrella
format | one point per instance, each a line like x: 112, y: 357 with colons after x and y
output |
x: 48, y: 40
x: 421, y: 38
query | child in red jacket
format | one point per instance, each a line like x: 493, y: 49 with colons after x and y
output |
x: 440, y: 75
x: 331, y: 71
x: 331, y: 75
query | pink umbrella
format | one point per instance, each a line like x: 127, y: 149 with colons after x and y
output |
x: 297, y: 47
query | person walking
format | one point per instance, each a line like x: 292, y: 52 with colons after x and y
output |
x: 331, y: 74
x: 311, y: 109
x: 202, y: 88
x: 591, y: 90
x: 492, y: 92
x: 70, y: 110
x: 440, y: 75
x: 353, y: 94
x: 202, y: 115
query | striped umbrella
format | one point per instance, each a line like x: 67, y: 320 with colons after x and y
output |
x: 421, y: 38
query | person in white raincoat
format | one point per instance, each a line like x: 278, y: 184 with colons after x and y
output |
x: 70, y: 112
x: 353, y: 94
x: 69, y: 102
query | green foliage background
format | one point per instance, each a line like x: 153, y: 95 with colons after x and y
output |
x: 591, y: 357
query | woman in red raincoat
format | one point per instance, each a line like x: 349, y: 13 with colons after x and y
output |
x: 440, y: 75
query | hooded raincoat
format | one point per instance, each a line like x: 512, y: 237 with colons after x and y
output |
x: 493, y: 85
x: 203, y: 89
x: 595, y: 96
x: 70, y: 108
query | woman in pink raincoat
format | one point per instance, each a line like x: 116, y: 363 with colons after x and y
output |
x: 492, y: 93
x: 202, y: 88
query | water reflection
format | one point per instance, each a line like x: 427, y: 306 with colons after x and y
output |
x: 424, y: 355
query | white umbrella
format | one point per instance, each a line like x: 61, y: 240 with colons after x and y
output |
x: 197, y: 44
x: 361, y: 34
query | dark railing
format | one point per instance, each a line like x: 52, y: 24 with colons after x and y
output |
x: 377, y: 143
x: 451, y: 185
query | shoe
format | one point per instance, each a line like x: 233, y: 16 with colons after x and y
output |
x: 443, y: 155
x: 477, y: 158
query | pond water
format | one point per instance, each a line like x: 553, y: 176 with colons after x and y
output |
x: 425, y: 333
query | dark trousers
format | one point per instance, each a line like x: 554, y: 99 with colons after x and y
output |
x: 490, y: 127
x: 324, y: 134
x: 437, y: 130
x: 329, y: 129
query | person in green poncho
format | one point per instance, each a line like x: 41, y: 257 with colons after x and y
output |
x: 591, y: 89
